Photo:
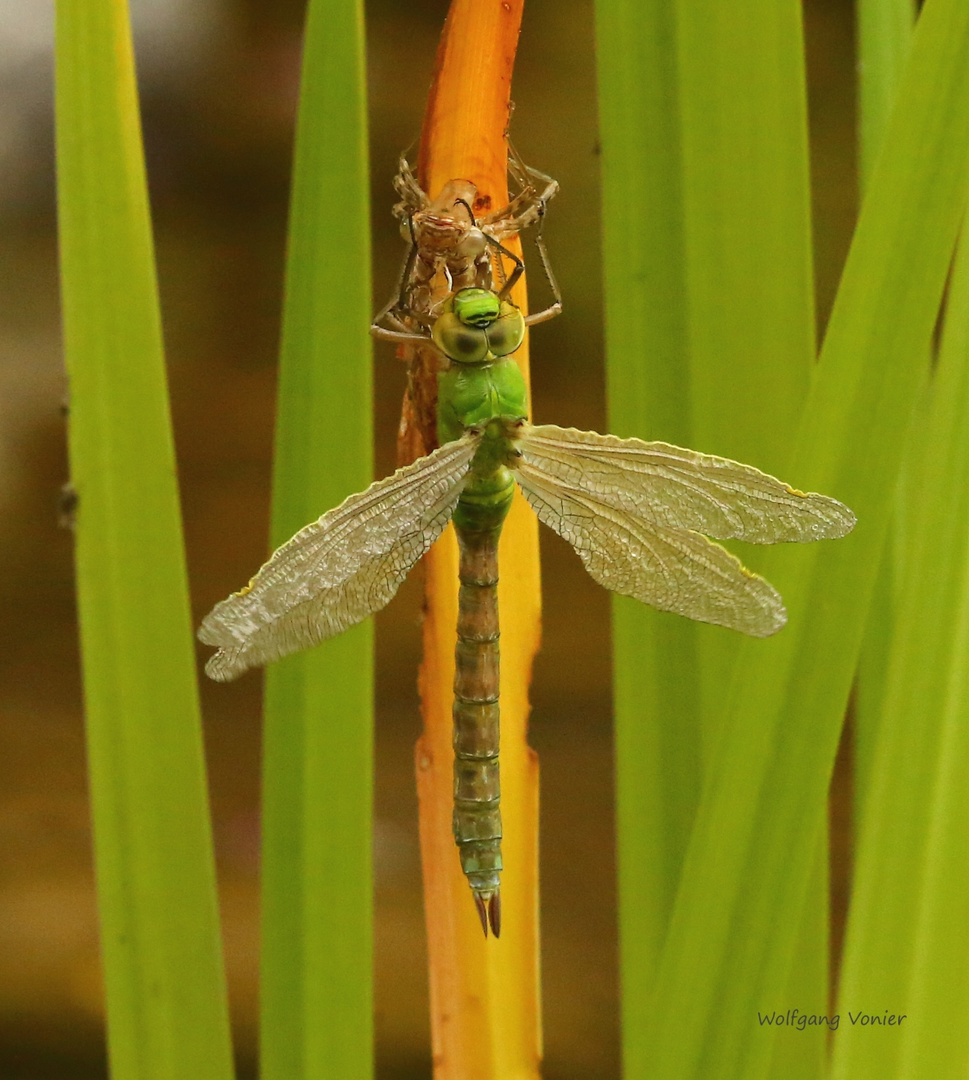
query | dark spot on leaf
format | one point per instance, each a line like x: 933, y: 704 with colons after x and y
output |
x: 67, y: 506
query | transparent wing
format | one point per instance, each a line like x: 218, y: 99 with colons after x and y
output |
x: 340, y: 569
x: 672, y: 569
x: 676, y: 488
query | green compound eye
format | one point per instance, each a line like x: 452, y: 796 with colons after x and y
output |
x: 458, y: 341
x: 505, y: 334
x: 476, y: 325
x: 476, y: 307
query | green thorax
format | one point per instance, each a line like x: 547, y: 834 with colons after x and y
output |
x: 483, y: 389
x: 468, y: 396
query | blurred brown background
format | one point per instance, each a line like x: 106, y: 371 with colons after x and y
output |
x: 219, y: 82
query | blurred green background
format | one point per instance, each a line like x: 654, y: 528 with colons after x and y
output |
x: 219, y: 80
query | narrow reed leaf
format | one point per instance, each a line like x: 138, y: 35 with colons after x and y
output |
x: 905, y: 947
x: 710, y: 331
x: 884, y: 39
x: 166, y: 1001
x: 750, y: 292
x: 316, y: 977
x: 658, y: 741
x: 788, y: 695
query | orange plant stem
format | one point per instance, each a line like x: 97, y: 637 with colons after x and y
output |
x: 485, y: 1011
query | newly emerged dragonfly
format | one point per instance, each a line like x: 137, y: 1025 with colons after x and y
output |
x: 638, y: 513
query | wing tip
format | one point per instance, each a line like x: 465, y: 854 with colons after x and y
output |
x: 777, y: 623
x: 838, y: 520
x: 848, y: 519
x: 834, y: 519
x: 225, y: 666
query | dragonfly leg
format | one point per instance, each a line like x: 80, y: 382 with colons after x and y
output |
x: 516, y: 273
x: 556, y: 307
x: 528, y: 179
x: 388, y: 324
x: 383, y: 334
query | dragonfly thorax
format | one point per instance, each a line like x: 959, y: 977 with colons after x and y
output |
x: 471, y: 395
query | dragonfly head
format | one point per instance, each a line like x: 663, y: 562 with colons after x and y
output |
x: 475, y: 327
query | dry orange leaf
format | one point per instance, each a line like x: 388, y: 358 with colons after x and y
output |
x: 485, y: 1009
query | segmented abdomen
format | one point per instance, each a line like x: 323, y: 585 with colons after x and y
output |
x: 477, y: 791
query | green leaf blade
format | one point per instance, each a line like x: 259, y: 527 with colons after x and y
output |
x: 167, y: 1009
x: 709, y: 302
x: 903, y: 944
x: 316, y: 1009
x: 789, y: 695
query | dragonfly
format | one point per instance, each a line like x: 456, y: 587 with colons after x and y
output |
x: 639, y: 514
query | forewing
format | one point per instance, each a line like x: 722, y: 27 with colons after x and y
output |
x: 673, y: 569
x: 676, y: 488
x: 340, y: 569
